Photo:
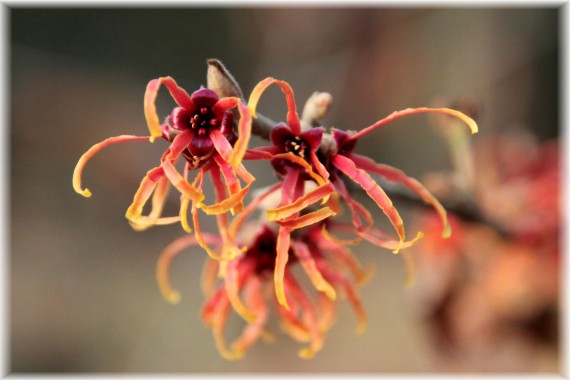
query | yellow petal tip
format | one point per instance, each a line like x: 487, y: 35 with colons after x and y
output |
x: 331, y: 294
x: 397, y: 250
x: 173, y: 298
x: 446, y: 232
x: 306, y: 353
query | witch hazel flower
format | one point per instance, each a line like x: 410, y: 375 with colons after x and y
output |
x: 330, y: 268
x: 293, y: 155
x: 343, y: 164
x: 313, y: 169
x: 332, y: 157
x: 201, y: 130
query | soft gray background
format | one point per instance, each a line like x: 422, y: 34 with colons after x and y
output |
x: 83, y: 294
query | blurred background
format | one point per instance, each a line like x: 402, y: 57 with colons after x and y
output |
x: 83, y: 296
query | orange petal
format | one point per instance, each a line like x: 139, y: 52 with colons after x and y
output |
x: 373, y: 237
x: 184, y: 203
x: 375, y: 192
x: 351, y: 295
x: 307, y: 219
x: 356, y: 209
x: 180, y: 183
x: 412, y: 111
x: 90, y: 153
x: 146, y: 188
x: 309, y: 315
x: 390, y: 244
x: 319, y: 166
x: 225, y: 104
x: 338, y: 241
x: 326, y: 313
x: 234, y: 201
x: 164, y: 260
x: 283, y: 243
x: 180, y: 96
x: 244, y: 136
x: 308, y: 264
x: 393, y: 174
x: 230, y: 248
x: 222, y: 145
x: 232, y: 285
x: 356, y: 304
x: 158, y: 199
x: 208, y: 277
x: 304, y: 164
x: 180, y: 143
x: 218, y: 321
x: 347, y: 260
x: 291, y: 325
x: 292, y: 116
x: 199, y: 235
x: 300, y: 203
x: 253, y: 331
x: 238, y: 221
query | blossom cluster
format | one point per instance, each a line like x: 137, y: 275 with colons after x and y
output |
x: 498, y: 277
x: 252, y: 258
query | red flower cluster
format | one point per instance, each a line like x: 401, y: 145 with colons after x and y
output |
x: 311, y: 167
x: 506, y: 271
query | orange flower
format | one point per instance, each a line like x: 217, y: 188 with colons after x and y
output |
x: 342, y: 163
x: 249, y: 274
x: 293, y: 155
x: 200, y: 129
x: 502, y: 268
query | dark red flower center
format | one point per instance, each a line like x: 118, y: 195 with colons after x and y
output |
x: 202, y: 121
x: 300, y: 145
x: 201, y: 118
x: 263, y: 252
x: 297, y: 146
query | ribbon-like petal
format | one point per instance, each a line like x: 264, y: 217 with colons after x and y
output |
x: 375, y: 192
x: 179, y: 95
x: 292, y: 116
x: 90, y: 153
x: 413, y: 111
x: 393, y: 174
x: 165, y: 258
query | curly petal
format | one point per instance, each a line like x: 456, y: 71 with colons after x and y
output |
x: 396, y: 175
x: 238, y: 221
x: 90, y: 153
x: 179, y: 95
x: 160, y: 186
x: 308, y: 263
x: 292, y: 116
x: 413, y: 111
x: 244, y: 136
x: 375, y: 192
x: 283, y: 244
x: 215, y: 314
x: 234, y: 276
x: 307, y: 219
x: 253, y: 331
x: 165, y: 259
x: 300, y: 203
x: 309, y: 315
